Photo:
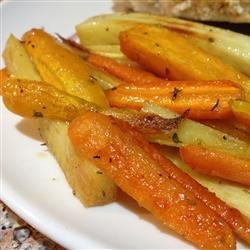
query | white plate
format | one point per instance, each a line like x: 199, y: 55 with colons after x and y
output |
x: 32, y: 182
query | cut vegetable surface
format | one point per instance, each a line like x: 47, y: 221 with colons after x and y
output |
x: 217, y: 163
x: 111, y: 145
x: 124, y: 72
x: 83, y: 176
x: 241, y: 111
x: 205, y: 99
x: 38, y: 99
x: 229, y: 46
x: 61, y: 67
x: 16, y: 60
x: 170, y: 55
x: 239, y: 224
x: 194, y: 133
x: 87, y: 181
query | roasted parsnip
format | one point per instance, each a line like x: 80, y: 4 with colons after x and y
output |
x: 241, y: 111
x: 230, y: 46
x: 19, y: 65
x: 170, y: 55
x: 191, y: 132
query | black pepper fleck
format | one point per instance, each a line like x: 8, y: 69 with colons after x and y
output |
x: 224, y: 137
x: 211, y: 40
x: 103, y: 193
x: 246, y: 191
x: 175, y: 138
x: 37, y: 114
x: 99, y: 172
x: 96, y: 156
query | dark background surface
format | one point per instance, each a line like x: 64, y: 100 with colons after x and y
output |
x: 243, y: 28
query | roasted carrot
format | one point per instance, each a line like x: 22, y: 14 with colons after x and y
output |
x: 124, y: 72
x: 217, y: 163
x: 205, y: 99
x: 109, y: 143
x: 239, y: 223
x: 4, y: 75
x: 170, y: 55
x: 241, y: 111
x: 61, y: 67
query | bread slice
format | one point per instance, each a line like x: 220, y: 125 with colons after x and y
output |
x: 89, y: 184
x: 236, y: 11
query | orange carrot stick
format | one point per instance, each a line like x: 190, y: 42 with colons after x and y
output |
x: 217, y: 163
x: 206, y: 99
x: 124, y: 72
x: 239, y: 223
x: 110, y: 144
x: 168, y: 54
x: 4, y: 75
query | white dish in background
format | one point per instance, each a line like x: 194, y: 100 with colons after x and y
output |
x: 33, y: 184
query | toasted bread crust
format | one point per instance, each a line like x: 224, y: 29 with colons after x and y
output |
x: 237, y: 11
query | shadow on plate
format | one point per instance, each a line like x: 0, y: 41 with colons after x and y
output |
x: 29, y: 128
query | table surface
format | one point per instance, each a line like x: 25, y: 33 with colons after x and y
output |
x: 17, y: 234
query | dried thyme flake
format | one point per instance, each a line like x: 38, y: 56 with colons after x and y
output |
x: 175, y: 93
x: 211, y: 40
x: 216, y: 105
x: 92, y: 78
